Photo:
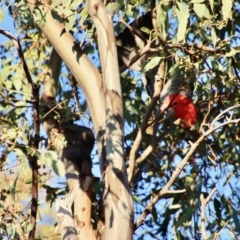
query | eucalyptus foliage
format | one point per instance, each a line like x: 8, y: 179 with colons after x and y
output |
x: 200, y: 35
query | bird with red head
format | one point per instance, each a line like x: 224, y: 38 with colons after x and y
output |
x: 183, y: 108
x: 177, y: 96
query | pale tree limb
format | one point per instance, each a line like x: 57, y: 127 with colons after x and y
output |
x: 117, y: 200
x: 176, y: 191
x: 179, y: 168
x: 64, y: 217
x: 151, y: 147
x: 77, y: 179
x: 77, y: 165
x: 51, y: 78
x: 204, y: 202
x: 82, y: 201
x: 79, y: 64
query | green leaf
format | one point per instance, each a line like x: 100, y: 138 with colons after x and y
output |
x: 154, y: 213
x: 28, y: 181
x: 152, y: 63
x: 231, y: 53
x: 197, y: 1
x: 84, y: 15
x: 29, y: 227
x: 75, y: 4
x: 185, y: 217
x: 131, y: 107
x: 70, y: 23
x: 211, y: 4
x: 118, y: 5
x: 23, y: 162
x: 17, y: 83
x: 1, y: 206
x: 146, y: 30
x: 58, y: 168
x: 68, y: 12
x: 206, y: 13
x: 217, y: 207
x: 182, y: 15
x: 1, y: 14
x: 11, y: 230
x: 50, y: 156
x: 51, y: 160
x: 10, y: 134
x: 161, y: 19
x: 97, y: 187
x: 200, y: 9
x: 136, y: 199
x: 39, y: 15
x: 226, y: 9
x: 13, y: 190
x: 211, y: 237
x: 4, y: 73
x: 235, y: 215
x: 180, y: 236
x: 214, y: 37
x: 56, y: 3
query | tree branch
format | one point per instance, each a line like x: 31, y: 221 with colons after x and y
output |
x: 52, y: 77
x: 193, y: 147
x: 204, y: 204
x: 64, y: 216
x: 33, y: 159
x: 136, y: 57
x: 186, y: 46
x: 157, y: 90
x: 117, y: 195
x: 79, y: 64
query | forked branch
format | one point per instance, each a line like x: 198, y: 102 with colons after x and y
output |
x: 193, y: 146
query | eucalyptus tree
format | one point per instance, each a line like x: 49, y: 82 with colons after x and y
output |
x: 75, y: 77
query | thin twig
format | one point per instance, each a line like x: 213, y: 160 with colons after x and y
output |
x: 204, y: 203
x: 176, y: 191
x: 218, y: 234
x: 135, y: 58
x: 205, y: 117
x: 52, y: 109
x: 187, y: 45
x: 138, y: 138
x: 133, y: 30
x: 83, y: 40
